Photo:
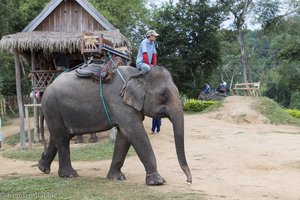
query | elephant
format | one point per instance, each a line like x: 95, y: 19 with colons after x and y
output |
x: 212, y: 96
x: 72, y: 106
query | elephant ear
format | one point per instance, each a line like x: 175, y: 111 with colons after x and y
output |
x: 133, y: 93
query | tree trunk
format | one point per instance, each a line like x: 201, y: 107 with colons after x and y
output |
x: 239, y: 17
x: 194, y: 78
x: 244, y: 56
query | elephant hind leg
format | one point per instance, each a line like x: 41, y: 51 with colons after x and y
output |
x: 121, y: 149
x: 65, y: 167
x: 47, y: 157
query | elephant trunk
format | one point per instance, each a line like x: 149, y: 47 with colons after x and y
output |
x: 178, y: 128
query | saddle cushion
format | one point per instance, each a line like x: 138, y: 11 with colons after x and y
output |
x: 87, y: 71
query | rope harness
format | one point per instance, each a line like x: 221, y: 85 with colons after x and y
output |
x: 103, y: 103
x: 105, y: 75
x: 115, y: 67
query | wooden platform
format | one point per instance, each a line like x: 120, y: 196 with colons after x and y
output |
x: 250, y: 89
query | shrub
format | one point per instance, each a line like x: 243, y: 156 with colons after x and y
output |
x: 294, y: 113
x: 295, y: 100
x: 274, y: 112
x: 193, y: 105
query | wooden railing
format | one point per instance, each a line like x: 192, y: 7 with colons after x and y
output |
x: 252, y: 89
x: 43, y: 78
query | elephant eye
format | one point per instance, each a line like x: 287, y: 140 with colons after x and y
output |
x: 164, y: 97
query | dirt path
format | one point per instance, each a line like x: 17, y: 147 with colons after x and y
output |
x: 232, y: 153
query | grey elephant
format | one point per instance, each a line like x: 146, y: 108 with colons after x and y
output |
x: 72, y: 106
x: 212, y: 96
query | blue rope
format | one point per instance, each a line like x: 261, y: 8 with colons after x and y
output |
x: 101, y: 94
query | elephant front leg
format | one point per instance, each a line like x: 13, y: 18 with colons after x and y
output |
x: 141, y: 143
x: 121, y: 149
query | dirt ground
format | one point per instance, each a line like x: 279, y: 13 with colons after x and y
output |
x: 233, y: 153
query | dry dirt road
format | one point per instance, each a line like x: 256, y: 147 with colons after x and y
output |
x: 233, y: 153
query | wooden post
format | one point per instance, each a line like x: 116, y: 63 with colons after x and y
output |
x: 4, y: 105
x: 35, y: 109
x: 19, y: 97
x: 28, y: 125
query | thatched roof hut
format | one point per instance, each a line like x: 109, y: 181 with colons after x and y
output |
x: 52, y: 42
x: 57, y: 28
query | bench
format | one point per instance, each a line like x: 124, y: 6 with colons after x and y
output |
x: 252, y: 89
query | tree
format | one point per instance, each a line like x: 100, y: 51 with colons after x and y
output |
x: 188, y: 45
x: 229, y: 69
x: 282, y: 62
x: 239, y: 9
x: 14, y: 16
x: 262, y: 12
x: 125, y: 15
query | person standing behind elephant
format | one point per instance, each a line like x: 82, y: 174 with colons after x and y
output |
x: 147, y: 54
x: 156, y: 123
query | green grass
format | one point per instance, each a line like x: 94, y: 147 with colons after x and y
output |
x: 293, y: 112
x: 89, y: 152
x: 84, y: 188
x: 275, y: 113
x: 6, y: 120
x: 195, y: 105
x: 192, y: 106
x: 213, y: 107
x: 15, y: 139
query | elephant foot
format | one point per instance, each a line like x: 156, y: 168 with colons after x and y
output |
x: 79, y: 139
x: 43, y: 167
x: 93, y: 140
x: 67, y: 173
x: 154, y: 179
x: 117, y: 176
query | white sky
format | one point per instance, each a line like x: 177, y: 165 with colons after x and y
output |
x: 226, y: 25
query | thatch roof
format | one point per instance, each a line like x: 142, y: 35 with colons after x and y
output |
x: 51, y: 42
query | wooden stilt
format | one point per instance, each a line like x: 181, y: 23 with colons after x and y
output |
x: 35, y: 109
x: 28, y: 125
x: 19, y: 97
x: 2, y: 107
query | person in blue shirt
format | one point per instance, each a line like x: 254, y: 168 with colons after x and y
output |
x: 147, y: 55
x: 207, y: 88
